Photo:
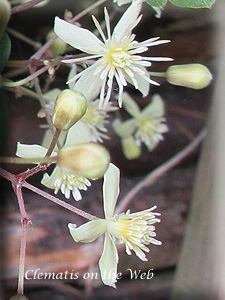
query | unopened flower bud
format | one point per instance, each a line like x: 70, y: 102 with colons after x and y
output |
x: 59, y: 46
x: 89, y: 160
x: 130, y: 148
x: 19, y: 297
x: 5, y: 13
x: 70, y: 106
x: 194, y: 76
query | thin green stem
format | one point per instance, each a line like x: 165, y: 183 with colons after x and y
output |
x: 22, y: 161
x: 157, y: 74
x: 6, y: 83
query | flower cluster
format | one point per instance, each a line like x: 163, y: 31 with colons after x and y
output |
x: 79, y: 115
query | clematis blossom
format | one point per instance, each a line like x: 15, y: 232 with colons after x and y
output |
x: 58, y: 180
x: 118, y: 54
x: 135, y: 230
x: 146, y: 126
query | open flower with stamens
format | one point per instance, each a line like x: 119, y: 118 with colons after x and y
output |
x: 96, y: 119
x: 135, y: 230
x: 118, y: 55
x: 59, y: 180
x: 66, y: 183
x: 146, y: 126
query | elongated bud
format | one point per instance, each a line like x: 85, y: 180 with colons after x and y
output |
x: 194, y: 76
x: 89, y: 160
x: 70, y: 106
x: 59, y: 46
x: 5, y: 12
x: 130, y: 148
x: 19, y: 297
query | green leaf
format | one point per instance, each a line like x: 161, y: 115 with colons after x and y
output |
x: 193, y: 3
x: 157, y: 3
x: 5, y: 49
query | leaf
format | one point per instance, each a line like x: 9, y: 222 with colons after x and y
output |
x: 157, y: 3
x: 5, y: 49
x: 193, y: 3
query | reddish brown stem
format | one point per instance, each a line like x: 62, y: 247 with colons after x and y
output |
x: 59, y: 202
x: 25, y: 6
x: 162, y: 169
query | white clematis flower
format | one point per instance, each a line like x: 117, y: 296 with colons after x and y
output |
x: 135, y: 230
x: 58, y: 180
x: 118, y: 54
x: 147, y: 126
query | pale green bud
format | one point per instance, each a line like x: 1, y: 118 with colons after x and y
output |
x: 70, y: 106
x: 130, y: 148
x: 194, y: 76
x: 5, y: 12
x: 19, y: 297
x: 89, y: 160
x: 59, y: 46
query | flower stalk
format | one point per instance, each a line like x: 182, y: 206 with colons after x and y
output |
x: 22, y: 161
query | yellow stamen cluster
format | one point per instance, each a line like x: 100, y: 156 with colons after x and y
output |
x: 135, y: 231
x: 68, y: 183
x: 150, y: 131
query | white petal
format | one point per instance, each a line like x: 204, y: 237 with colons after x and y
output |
x: 77, y: 37
x: 122, y: 2
x: 125, y: 129
x: 49, y: 181
x: 155, y: 108
x: 157, y: 58
x: 52, y: 94
x: 143, y: 84
x: 30, y: 151
x: 87, y: 232
x: 128, y: 21
x: 89, y: 84
x: 78, y: 134
x: 130, y: 105
x: 72, y: 73
x: 108, y: 262
x: 110, y: 190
